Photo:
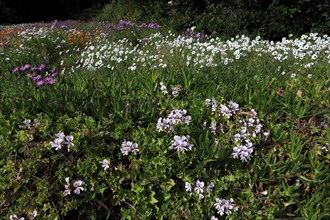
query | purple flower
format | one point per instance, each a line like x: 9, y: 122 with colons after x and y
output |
x: 244, y: 152
x: 181, y: 143
x: 42, y: 67
x: 40, y: 83
x: 25, y: 67
x: 78, y: 186
x: 129, y: 147
x: 34, y: 69
x: 16, y: 69
x: 67, y: 190
x: 49, y: 81
x: 143, y: 25
x: 210, y: 187
x: 188, y: 186
x: 36, y: 77
x: 199, y: 187
x: 225, y: 206
x: 105, y: 164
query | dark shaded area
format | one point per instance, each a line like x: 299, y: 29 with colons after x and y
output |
x: 270, y: 19
x: 25, y: 11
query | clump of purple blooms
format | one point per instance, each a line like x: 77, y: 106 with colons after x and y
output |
x: 62, y: 141
x: 199, y: 188
x: 40, y: 75
x: 181, y: 143
x: 247, y: 129
x: 122, y: 25
x: 224, y: 206
x: 129, y: 147
x: 176, y: 116
x: 77, y: 185
x: 27, y: 124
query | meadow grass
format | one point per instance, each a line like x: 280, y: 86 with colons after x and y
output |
x: 132, y: 121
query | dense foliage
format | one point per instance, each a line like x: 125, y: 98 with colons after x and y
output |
x: 270, y: 19
x: 131, y: 121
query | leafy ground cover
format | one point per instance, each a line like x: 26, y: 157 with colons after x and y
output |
x: 132, y: 121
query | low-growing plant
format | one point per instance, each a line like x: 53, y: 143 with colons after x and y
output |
x: 157, y: 126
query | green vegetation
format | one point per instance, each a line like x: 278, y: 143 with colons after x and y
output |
x: 131, y: 121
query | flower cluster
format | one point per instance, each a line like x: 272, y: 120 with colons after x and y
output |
x: 163, y: 88
x: 250, y: 128
x: 27, y: 124
x: 62, y: 141
x: 129, y: 147
x: 245, y: 125
x: 199, y: 188
x: 176, y: 116
x: 225, y: 110
x: 181, y: 143
x: 77, y: 185
x: 39, y: 75
x: 224, y: 206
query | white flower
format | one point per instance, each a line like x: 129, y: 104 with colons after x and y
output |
x: 14, y: 217
x: 105, y: 164
x: 265, y: 193
x: 188, y: 186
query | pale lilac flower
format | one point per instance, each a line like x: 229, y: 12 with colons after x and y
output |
x: 208, y: 102
x: 60, y: 135
x: 68, y: 142
x: 200, y: 196
x: 199, y: 187
x: 225, y: 111
x: 181, y: 143
x: 165, y: 124
x: 225, y: 206
x: 254, y: 113
x: 234, y: 106
x: 105, y: 164
x: 188, y: 187
x: 67, y: 190
x: 62, y: 141
x: 213, y: 127
x: 78, y: 186
x: 128, y: 147
x: 14, y: 217
x: 57, y: 143
x: 176, y: 116
x: 175, y: 91
x: 214, y: 218
x: 210, y: 187
x: 244, y: 152
x: 214, y: 105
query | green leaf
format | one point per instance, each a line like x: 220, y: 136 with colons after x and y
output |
x: 167, y: 185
